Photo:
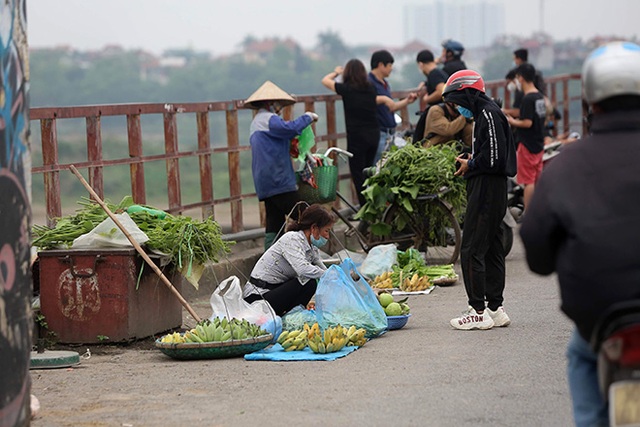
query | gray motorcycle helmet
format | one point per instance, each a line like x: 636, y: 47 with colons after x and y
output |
x: 611, y: 70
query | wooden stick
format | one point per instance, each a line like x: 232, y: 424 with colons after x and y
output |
x: 135, y: 244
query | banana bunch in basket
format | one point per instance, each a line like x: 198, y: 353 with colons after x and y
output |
x: 415, y: 283
x: 176, y: 338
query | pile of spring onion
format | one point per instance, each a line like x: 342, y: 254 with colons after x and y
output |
x: 186, y: 241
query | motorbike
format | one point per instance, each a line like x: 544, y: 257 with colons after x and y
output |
x: 616, y: 341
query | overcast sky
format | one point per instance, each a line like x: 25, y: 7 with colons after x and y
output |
x: 219, y: 26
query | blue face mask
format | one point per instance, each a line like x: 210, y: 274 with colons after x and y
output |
x: 318, y: 242
x: 465, y: 112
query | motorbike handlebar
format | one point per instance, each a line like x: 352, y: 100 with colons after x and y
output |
x: 340, y: 151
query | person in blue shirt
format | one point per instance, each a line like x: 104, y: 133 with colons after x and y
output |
x: 270, y: 138
x: 381, y: 67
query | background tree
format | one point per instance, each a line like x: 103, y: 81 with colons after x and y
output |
x: 331, y: 46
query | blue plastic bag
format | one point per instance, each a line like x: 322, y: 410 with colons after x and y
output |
x: 344, y: 297
x: 297, y: 317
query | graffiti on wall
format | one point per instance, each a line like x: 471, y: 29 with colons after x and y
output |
x: 15, y: 212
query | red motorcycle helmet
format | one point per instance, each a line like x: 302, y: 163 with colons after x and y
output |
x: 461, y: 80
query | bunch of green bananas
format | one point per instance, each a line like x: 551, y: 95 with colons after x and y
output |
x: 222, y: 329
x: 331, y: 340
x: 293, y: 340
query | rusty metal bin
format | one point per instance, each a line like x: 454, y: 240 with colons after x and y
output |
x: 87, y: 295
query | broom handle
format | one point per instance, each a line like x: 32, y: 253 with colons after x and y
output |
x: 135, y: 244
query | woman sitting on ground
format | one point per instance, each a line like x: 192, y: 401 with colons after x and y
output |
x: 287, y: 273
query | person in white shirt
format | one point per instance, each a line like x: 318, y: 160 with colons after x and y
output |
x: 287, y: 273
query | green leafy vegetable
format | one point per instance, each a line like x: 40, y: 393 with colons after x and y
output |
x: 408, y: 172
x: 70, y: 227
x: 412, y: 262
x: 185, y: 240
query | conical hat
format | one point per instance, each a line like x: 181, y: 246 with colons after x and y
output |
x: 269, y: 92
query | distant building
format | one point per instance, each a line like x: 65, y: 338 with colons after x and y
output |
x: 259, y: 50
x: 474, y: 23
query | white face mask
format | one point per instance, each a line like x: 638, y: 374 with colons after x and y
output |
x: 511, y: 86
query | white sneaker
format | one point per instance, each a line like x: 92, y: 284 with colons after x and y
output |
x: 499, y: 317
x: 470, y: 319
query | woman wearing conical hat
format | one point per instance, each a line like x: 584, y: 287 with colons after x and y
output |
x: 270, y: 137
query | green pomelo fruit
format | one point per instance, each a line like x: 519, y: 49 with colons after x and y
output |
x: 393, y: 309
x: 385, y: 299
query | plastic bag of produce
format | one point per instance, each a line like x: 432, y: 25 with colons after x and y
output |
x: 306, y: 141
x: 380, y: 259
x: 344, y: 297
x: 108, y: 235
x: 295, y: 318
x: 226, y: 301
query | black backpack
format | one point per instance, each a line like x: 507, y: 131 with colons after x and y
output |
x: 418, y: 133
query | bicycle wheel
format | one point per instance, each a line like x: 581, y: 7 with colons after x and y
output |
x: 431, y: 228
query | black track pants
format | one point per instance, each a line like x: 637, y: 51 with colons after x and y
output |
x: 482, y: 254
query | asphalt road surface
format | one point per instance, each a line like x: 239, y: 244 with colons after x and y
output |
x: 426, y: 374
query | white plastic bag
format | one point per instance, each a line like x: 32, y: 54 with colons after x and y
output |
x: 379, y: 259
x: 226, y: 301
x: 108, y: 235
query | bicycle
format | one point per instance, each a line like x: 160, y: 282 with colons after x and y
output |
x: 430, y: 226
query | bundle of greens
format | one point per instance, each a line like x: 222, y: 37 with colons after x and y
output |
x: 411, y: 262
x: 70, y: 227
x: 407, y: 173
x: 189, y: 242
x: 186, y: 241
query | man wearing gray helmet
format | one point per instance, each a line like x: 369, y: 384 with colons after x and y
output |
x: 581, y: 222
x: 452, y: 56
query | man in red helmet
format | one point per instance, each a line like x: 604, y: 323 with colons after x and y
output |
x: 492, y: 159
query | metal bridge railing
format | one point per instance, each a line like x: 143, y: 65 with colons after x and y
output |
x: 179, y: 146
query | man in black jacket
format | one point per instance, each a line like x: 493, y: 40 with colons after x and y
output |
x: 493, y: 159
x: 583, y: 222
